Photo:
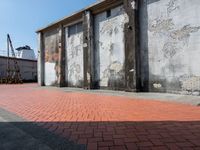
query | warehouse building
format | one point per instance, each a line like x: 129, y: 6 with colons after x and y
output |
x: 130, y: 45
x: 28, y: 68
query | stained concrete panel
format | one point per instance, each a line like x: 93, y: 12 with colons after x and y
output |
x: 172, y: 28
x: 109, y: 48
x: 51, y: 41
x: 74, y: 61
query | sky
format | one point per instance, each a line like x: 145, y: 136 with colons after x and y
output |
x: 21, y: 18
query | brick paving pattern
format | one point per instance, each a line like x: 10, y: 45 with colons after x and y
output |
x: 106, y: 122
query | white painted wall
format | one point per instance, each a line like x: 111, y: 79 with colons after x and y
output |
x: 74, y: 61
x: 173, y: 44
x: 50, y: 74
x: 109, y: 46
x: 26, y: 54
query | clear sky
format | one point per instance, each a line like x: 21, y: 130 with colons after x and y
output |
x: 21, y: 18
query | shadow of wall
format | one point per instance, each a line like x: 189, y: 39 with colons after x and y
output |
x: 125, y: 134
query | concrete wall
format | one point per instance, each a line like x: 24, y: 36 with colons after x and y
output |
x: 74, y: 62
x: 40, y: 62
x: 109, y: 48
x: 142, y: 45
x: 170, y: 45
x: 51, y: 57
x: 28, y: 68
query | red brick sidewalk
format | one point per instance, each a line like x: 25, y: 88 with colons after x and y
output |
x: 106, y: 122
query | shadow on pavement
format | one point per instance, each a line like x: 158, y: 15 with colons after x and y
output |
x: 90, y: 135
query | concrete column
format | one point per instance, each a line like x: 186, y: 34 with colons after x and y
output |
x: 132, y: 53
x: 88, y: 47
x: 61, y: 61
x: 41, y: 60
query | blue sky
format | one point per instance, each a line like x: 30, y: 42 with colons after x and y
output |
x: 21, y: 18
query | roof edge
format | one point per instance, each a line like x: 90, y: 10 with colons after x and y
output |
x: 73, y: 14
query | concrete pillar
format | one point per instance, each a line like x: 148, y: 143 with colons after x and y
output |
x: 132, y: 53
x: 88, y: 47
x: 41, y: 60
x: 61, y: 61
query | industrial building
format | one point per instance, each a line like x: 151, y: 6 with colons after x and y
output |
x: 17, y: 67
x: 28, y: 68
x: 130, y: 45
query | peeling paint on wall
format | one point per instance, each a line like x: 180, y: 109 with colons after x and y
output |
x: 109, y: 47
x: 74, y: 55
x: 165, y: 60
x: 191, y: 84
x: 173, y: 45
x: 133, y: 4
x: 51, y: 57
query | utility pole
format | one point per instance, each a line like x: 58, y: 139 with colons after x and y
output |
x: 8, y: 61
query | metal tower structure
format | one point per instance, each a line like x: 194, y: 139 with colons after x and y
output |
x: 13, y: 69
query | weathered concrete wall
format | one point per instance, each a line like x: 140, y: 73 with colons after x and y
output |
x: 132, y: 46
x: 74, y: 61
x: 170, y: 45
x: 62, y: 58
x: 28, y: 68
x: 142, y: 45
x: 109, y: 48
x: 88, y: 49
x: 40, y: 62
x: 51, y: 48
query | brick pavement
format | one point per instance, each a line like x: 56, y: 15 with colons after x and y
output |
x: 106, y: 122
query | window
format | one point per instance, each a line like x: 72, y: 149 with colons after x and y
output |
x: 74, y: 29
x: 108, y: 13
x: 71, y: 30
x: 79, y: 27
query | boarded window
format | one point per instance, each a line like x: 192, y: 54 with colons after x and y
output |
x: 74, y: 29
